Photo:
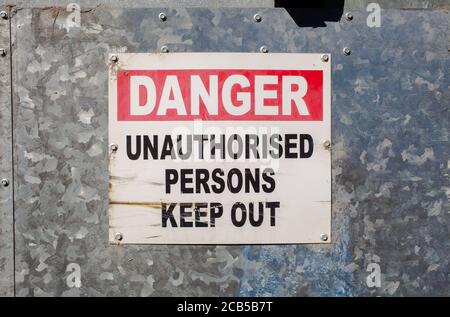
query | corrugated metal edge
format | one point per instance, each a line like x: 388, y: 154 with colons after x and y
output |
x: 348, y: 4
x: 6, y: 164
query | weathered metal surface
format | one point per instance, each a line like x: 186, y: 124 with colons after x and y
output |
x: 6, y: 162
x: 142, y: 3
x: 398, y: 4
x: 348, y: 4
x: 389, y: 157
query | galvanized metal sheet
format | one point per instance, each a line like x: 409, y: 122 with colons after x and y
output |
x: 389, y: 157
x: 219, y: 148
x: 6, y: 163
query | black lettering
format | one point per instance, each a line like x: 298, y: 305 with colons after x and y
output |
x: 200, y: 139
x: 184, y: 156
x: 171, y: 179
x: 201, y: 180
x: 220, y: 183
x: 185, y: 180
x: 185, y: 214
x: 234, y: 220
x: 215, y: 211
x: 288, y: 146
x: 199, y: 214
x: 130, y: 154
x: 253, y: 180
x: 272, y: 205
x: 234, y: 189
x: 309, y: 139
x: 220, y: 146
x: 238, y: 139
x: 252, y: 142
x: 151, y: 147
x: 167, y: 148
x: 270, y: 181
x: 253, y: 221
x: 168, y: 214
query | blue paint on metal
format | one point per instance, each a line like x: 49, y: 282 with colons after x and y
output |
x: 282, y: 269
x: 342, y: 256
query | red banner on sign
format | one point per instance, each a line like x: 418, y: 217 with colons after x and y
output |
x: 210, y: 94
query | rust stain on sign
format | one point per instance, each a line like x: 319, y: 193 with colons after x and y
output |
x: 145, y: 204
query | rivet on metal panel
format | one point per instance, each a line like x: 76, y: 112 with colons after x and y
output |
x: 5, y: 182
x: 162, y: 16
x: 3, y: 15
x: 2, y: 52
x: 349, y: 16
x: 114, y: 58
x: 327, y: 144
x: 324, y: 237
x: 325, y: 58
x: 164, y: 49
x: 264, y: 49
x: 257, y: 18
x: 346, y: 51
x: 114, y: 147
x: 118, y: 236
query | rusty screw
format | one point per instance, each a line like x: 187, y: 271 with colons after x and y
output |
x: 5, y: 182
x: 2, y: 52
x: 114, y: 58
x: 3, y: 15
x: 118, y: 236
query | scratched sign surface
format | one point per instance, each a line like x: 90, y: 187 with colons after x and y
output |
x: 220, y: 148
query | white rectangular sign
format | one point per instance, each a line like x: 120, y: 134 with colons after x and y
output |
x: 219, y: 148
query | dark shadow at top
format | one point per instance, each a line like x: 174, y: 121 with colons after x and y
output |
x: 313, y: 13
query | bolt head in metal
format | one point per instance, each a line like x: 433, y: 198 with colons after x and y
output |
x: 325, y: 58
x: 5, y: 182
x: 349, y: 16
x: 346, y: 51
x: 264, y: 49
x: 164, y: 49
x: 114, y: 58
x: 327, y: 144
x: 257, y: 18
x: 162, y: 16
x: 118, y: 236
x: 324, y: 237
x: 3, y: 15
x: 2, y: 52
x: 114, y: 147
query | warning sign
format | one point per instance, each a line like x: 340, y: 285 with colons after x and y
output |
x: 219, y: 148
